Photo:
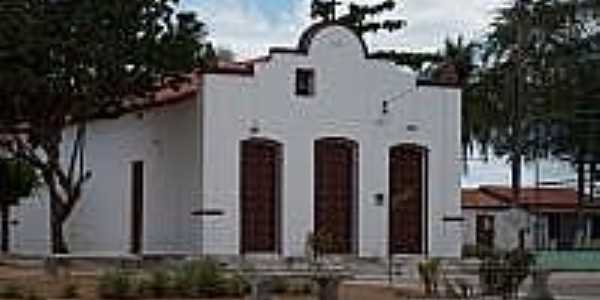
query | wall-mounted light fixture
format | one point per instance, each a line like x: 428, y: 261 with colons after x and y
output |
x: 412, y: 127
x: 254, y: 128
x: 379, y: 199
x: 385, y: 104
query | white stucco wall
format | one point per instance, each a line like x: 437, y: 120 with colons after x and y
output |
x: 348, y: 103
x: 507, y: 223
x: 166, y: 140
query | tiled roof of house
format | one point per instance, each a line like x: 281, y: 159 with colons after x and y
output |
x: 474, y: 198
x: 167, y: 96
x: 534, y: 198
x: 540, y: 197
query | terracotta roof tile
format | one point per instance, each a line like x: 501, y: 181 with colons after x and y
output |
x: 474, y: 198
x: 541, y: 198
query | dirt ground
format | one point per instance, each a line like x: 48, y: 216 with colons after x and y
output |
x: 34, y: 279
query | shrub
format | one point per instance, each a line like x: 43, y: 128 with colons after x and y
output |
x: 476, y: 251
x: 32, y: 295
x: 279, y: 285
x: 300, y: 287
x: 141, y: 287
x: 237, y: 285
x: 11, y: 291
x: 183, y: 280
x: 503, y: 272
x: 202, y: 278
x: 114, y: 285
x: 429, y: 271
x: 159, y: 283
x: 69, y: 291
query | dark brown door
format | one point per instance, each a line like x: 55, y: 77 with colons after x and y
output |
x: 336, y: 186
x: 137, y: 206
x: 260, y: 196
x: 407, y: 199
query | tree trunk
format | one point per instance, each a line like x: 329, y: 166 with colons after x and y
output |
x: 5, y: 213
x: 58, y: 242
x: 57, y: 203
x: 516, y: 175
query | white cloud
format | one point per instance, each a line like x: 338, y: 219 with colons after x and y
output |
x: 430, y: 22
x: 244, y: 27
x: 248, y: 31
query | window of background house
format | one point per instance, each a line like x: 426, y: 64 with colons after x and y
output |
x: 305, y: 82
x: 553, y: 226
x: 595, y: 234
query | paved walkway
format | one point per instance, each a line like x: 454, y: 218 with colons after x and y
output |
x: 564, y: 286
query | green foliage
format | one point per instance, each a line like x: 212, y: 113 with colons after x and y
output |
x: 476, y: 251
x: 538, y: 62
x: 18, y: 179
x: 319, y: 244
x: 11, y: 291
x: 201, y: 278
x: 358, y: 17
x: 31, y: 294
x: 141, y: 287
x: 279, y: 285
x: 503, y: 272
x: 69, y: 291
x: 414, y: 60
x: 159, y: 283
x: 429, y: 272
x: 114, y: 284
x: 225, y: 54
x: 237, y: 285
x: 67, y: 62
x: 301, y: 287
x: 197, y: 279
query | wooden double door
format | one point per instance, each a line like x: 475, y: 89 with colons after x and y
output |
x: 260, y: 196
x: 336, y: 194
x: 407, y: 194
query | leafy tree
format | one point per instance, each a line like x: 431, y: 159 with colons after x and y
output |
x: 225, y: 54
x: 67, y: 62
x: 17, y: 180
x: 363, y: 19
x: 521, y: 101
x: 415, y: 60
x: 359, y: 17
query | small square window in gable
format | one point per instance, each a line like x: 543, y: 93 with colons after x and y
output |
x: 305, y: 82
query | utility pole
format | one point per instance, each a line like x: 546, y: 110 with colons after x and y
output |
x: 332, y: 7
x: 516, y: 118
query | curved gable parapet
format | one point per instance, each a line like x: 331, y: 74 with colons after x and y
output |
x: 328, y: 37
x: 333, y: 39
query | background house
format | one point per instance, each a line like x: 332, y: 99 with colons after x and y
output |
x: 543, y: 219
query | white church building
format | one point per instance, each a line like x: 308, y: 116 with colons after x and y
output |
x: 251, y: 157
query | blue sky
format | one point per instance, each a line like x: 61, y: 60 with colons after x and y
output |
x: 249, y: 27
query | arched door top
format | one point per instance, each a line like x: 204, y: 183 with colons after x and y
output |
x: 338, y: 140
x: 411, y: 146
x: 262, y: 140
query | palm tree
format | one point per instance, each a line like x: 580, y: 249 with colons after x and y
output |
x: 462, y: 56
x: 17, y: 180
x: 520, y: 101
